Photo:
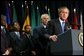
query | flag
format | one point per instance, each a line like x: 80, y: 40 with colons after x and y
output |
x: 14, y: 14
x: 75, y: 21
x: 27, y: 20
x: 24, y: 16
x: 38, y: 17
x: 49, y: 14
x: 8, y: 20
x: 33, y: 20
x: 81, y: 20
x: 8, y: 15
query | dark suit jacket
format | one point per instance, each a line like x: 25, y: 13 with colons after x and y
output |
x: 41, y: 42
x: 28, y: 38
x: 16, y: 42
x: 5, y: 41
x: 20, y: 46
x: 54, y: 27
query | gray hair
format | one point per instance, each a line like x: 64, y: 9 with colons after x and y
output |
x: 45, y: 15
x: 61, y: 8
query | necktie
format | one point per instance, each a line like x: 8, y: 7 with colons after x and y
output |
x: 63, y: 24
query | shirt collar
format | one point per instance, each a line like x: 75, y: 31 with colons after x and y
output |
x: 44, y: 25
x: 2, y: 27
x: 61, y: 21
x: 16, y: 32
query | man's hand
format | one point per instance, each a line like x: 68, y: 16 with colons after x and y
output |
x: 53, y: 37
x: 8, y: 51
x: 33, y: 52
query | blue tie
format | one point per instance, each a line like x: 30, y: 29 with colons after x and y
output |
x: 63, y: 24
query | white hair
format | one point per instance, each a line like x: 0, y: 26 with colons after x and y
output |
x: 45, y: 15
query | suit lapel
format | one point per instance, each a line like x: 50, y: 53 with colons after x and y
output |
x: 66, y: 26
x: 58, y: 25
x: 16, y: 37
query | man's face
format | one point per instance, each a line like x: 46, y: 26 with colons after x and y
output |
x: 45, y: 19
x: 64, y: 14
x: 28, y: 29
x: 3, y: 22
x: 17, y: 26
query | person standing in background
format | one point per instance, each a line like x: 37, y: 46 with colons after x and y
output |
x: 5, y: 37
x: 41, y: 42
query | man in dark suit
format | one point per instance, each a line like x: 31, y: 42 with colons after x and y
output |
x: 29, y: 39
x: 5, y: 43
x: 5, y: 37
x: 59, y: 25
x: 41, y: 42
x: 16, y: 40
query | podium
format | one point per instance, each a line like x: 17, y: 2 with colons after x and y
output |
x: 68, y: 43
